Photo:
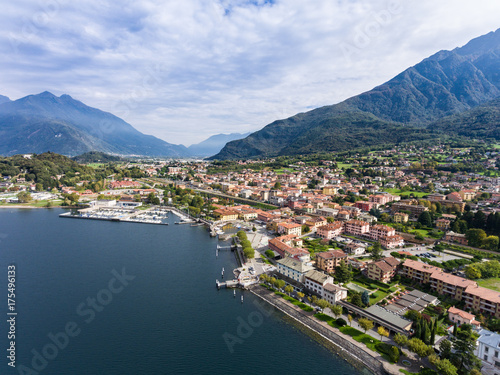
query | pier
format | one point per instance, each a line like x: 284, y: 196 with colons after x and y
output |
x: 151, y: 215
x: 227, y: 284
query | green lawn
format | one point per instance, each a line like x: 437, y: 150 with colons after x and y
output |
x: 493, y: 283
x: 395, y: 191
x: 344, y: 165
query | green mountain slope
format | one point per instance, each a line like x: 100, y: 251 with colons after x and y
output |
x: 447, y: 83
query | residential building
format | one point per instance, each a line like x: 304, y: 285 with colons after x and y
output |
x: 356, y: 227
x: 314, y: 222
x: 462, y: 317
x: 456, y: 237
x: 442, y: 224
x: 334, y: 293
x: 488, y: 351
x: 294, y: 268
x: 414, y: 209
x: 328, y: 260
x: 330, y: 231
x: 476, y: 298
x: 382, y: 270
x: 290, y: 229
x: 225, y: 214
x: 315, y: 280
x: 400, y: 217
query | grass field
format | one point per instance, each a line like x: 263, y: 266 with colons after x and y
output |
x: 418, y: 194
x: 344, y: 165
x: 493, y: 283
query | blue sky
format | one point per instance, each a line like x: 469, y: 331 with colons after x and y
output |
x: 185, y: 70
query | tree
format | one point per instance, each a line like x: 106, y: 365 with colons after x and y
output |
x: 400, y: 339
x: 376, y: 251
x: 322, y: 303
x: 491, y: 243
x: 472, y: 271
x: 425, y: 219
x: 464, y: 344
x: 349, y: 318
x: 444, y: 366
x: 382, y: 332
x: 277, y: 185
x: 394, y: 354
x: 343, y: 273
x: 24, y: 197
x: 475, y: 237
x: 356, y: 299
x: 419, y: 347
x: 281, y: 284
x: 365, y: 324
x: 337, y: 311
x: 365, y: 298
x: 300, y: 295
x: 288, y: 289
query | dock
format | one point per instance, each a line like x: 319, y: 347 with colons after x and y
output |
x: 227, y: 284
x: 150, y: 216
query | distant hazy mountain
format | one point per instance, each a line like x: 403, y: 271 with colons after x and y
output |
x: 214, y: 144
x: 4, y: 99
x: 447, y: 83
x: 45, y: 122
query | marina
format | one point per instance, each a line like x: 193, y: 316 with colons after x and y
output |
x: 153, y: 215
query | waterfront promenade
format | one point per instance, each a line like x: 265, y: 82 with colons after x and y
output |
x: 351, y: 350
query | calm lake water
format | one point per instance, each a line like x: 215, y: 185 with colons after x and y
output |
x: 165, y: 317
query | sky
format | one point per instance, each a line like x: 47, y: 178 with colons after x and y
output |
x: 184, y: 70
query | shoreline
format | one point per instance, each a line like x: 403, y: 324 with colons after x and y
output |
x: 353, y: 353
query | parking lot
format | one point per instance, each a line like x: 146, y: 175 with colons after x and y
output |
x: 419, y: 250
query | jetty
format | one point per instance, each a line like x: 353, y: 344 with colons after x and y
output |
x: 227, y: 284
x: 151, y: 215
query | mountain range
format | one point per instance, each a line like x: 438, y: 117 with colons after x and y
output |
x: 214, y: 144
x: 442, y: 94
x: 45, y: 122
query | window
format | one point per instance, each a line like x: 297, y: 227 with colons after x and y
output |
x: 496, y: 354
x: 486, y: 349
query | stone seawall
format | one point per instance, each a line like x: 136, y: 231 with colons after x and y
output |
x: 350, y: 351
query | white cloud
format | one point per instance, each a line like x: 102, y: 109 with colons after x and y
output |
x: 186, y: 70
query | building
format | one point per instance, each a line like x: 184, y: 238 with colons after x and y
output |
x: 354, y: 248
x: 294, y: 269
x: 379, y: 230
x: 382, y: 270
x: 442, y: 224
x: 456, y: 237
x: 285, y: 246
x: 400, y: 217
x: 315, y: 222
x: 476, y: 298
x: 334, y: 293
x: 488, y: 351
x: 356, y: 227
x: 364, y: 206
x: 330, y: 231
x: 462, y: 317
x: 316, y: 280
x: 290, y: 229
x: 328, y: 260
x: 414, y: 209
x: 224, y: 214
x: 467, y: 195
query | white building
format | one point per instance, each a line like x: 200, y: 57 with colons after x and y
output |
x: 294, y: 268
x: 334, y: 293
x: 322, y: 285
x: 488, y: 351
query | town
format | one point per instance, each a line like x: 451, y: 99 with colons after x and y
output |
x: 402, y: 243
